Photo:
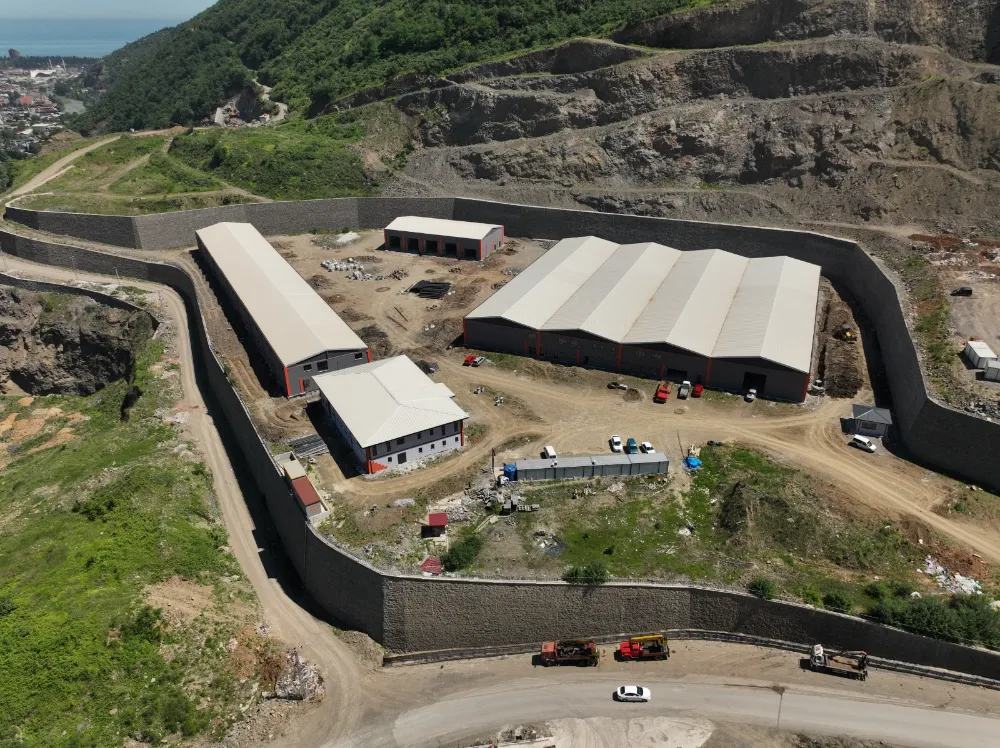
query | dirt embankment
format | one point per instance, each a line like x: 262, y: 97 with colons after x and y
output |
x: 62, y: 344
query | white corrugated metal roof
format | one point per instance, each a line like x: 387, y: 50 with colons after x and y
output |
x: 710, y: 302
x: 294, y: 320
x: 534, y: 295
x: 609, y: 302
x: 442, y: 227
x: 388, y: 399
x: 773, y: 314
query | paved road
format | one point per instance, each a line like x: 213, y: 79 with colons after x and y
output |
x: 477, y: 713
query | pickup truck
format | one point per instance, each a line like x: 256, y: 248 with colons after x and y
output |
x: 684, y: 390
x: 662, y: 393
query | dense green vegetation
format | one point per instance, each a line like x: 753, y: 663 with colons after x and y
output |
x: 295, y: 161
x: 969, y: 619
x: 315, y: 51
x: 463, y: 552
x: 593, y: 573
x: 88, y: 525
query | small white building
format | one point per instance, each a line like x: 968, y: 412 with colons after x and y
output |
x: 443, y: 237
x: 979, y: 354
x: 391, y: 413
x: 991, y: 372
x: 871, y: 421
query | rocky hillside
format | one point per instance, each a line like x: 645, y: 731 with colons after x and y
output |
x: 59, y: 344
x: 779, y: 111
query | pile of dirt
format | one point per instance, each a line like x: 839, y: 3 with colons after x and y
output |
x: 353, y: 315
x: 319, y: 282
x: 367, y: 650
x: 64, y: 344
x: 841, y: 363
x: 377, y: 340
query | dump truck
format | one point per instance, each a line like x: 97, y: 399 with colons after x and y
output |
x: 850, y: 664
x: 847, y: 334
x: 570, y: 652
x: 649, y: 647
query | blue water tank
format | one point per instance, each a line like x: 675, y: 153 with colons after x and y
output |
x: 510, y: 472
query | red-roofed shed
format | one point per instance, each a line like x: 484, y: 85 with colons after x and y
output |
x: 431, y: 565
x: 305, y: 492
x: 435, y: 526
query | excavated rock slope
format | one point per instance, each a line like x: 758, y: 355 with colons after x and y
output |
x: 60, y: 344
x: 843, y: 124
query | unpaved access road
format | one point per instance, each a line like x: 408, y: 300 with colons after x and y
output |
x: 57, y: 168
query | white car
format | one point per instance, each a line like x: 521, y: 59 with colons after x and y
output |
x: 616, y: 443
x: 647, y: 448
x: 633, y: 693
x: 750, y: 396
x: 863, y: 443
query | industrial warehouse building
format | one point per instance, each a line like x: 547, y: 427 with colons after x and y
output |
x: 445, y: 238
x: 391, y: 413
x: 296, y: 332
x: 708, y: 316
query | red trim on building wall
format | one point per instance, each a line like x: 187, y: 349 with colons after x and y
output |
x: 288, y: 383
x: 369, y: 352
x: 708, y: 372
x: 538, y: 342
x: 661, y: 370
x: 578, y: 354
x: 302, y: 386
x: 440, y: 246
x: 385, y: 238
x: 481, y: 250
x: 402, y: 242
x: 525, y: 346
x: 619, y: 357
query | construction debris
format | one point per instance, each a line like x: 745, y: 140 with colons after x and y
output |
x: 430, y: 289
x: 948, y: 580
x: 299, y: 680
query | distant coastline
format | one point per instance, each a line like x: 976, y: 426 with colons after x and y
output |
x: 75, y: 37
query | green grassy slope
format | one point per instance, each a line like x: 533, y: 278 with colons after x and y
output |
x: 315, y: 51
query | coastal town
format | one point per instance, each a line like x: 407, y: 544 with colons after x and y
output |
x: 33, y: 100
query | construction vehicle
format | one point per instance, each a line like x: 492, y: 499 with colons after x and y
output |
x: 849, y: 664
x: 570, y: 652
x: 650, y: 647
x: 662, y: 393
x: 684, y: 390
x: 847, y: 334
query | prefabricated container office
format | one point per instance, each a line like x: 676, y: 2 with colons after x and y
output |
x: 592, y: 466
x: 443, y: 237
x: 708, y: 316
x: 991, y: 372
x: 979, y: 353
x: 296, y: 332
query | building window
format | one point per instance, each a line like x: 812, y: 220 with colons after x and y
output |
x: 307, y: 367
x: 323, y: 365
x: 562, y: 341
x: 430, y: 433
x: 456, y: 438
x: 390, y: 459
x: 656, y: 356
x: 420, y: 434
x: 640, y: 354
x: 400, y: 440
x: 420, y: 449
x: 358, y: 356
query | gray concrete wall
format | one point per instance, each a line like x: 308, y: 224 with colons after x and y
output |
x: 415, y: 613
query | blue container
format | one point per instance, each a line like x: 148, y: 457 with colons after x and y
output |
x: 510, y: 472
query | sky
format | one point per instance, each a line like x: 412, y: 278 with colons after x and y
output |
x: 123, y: 9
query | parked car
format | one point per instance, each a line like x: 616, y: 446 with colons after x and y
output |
x: 962, y: 291
x: 684, y: 390
x: 479, y: 360
x: 750, y: 396
x: 633, y: 693
x: 863, y: 443
x: 617, y: 386
x: 549, y: 453
x: 469, y: 359
x: 616, y: 443
x: 647, y: 448
x: 662, y: 393
x: 698, y: 389
x: 631, y: 448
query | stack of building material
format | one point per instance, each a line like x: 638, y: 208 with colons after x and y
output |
x: 430, y: 289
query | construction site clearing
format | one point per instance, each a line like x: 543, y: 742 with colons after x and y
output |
x: 517, y: 405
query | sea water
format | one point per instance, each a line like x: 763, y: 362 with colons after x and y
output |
x: 89, y: 37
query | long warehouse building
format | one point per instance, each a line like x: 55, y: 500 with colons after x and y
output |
x: 708, y: 316
x: 296, y: 332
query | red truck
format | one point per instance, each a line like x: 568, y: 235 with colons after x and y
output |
x: 662, y: 393
x: 570, y: 652
x: 650, y: 647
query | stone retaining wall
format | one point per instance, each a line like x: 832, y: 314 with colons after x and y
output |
x: 43, y: 287
x: 408, y: 613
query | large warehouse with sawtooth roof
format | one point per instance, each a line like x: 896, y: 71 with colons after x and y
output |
x: 709, y: 316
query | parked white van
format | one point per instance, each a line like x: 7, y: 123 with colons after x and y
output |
x: 863, y: 443
x: 549, y: 453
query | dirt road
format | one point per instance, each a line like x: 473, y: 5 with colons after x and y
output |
x: 56, y: 169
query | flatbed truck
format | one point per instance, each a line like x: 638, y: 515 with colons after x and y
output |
x: 849, y: 664
x: 570, y: 652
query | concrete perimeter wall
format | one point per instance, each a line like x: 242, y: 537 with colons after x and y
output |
x: 409, y: 614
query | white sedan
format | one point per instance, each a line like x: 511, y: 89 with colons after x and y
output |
x: 633, y: 693
x: 647, y: 448
x: 616, y: 443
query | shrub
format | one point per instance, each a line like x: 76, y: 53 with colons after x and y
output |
x: 593, y: 573
x: 7, y: 606
x: 811, y: 596
x: 838, y: 602
x: 764, y: 588
x: 962, y: 618
x: 463, y: 553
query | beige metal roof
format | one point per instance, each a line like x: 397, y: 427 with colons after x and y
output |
x: 773, y: 313
x: 388, y: 399
x: 442, y: 227
x: 534, y: 295
x: 710, y: 302
x: 294, y: 320
x: 609, y: 302
x: 690, y: 306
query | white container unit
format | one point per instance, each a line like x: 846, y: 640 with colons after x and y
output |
x: 979, y: 354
